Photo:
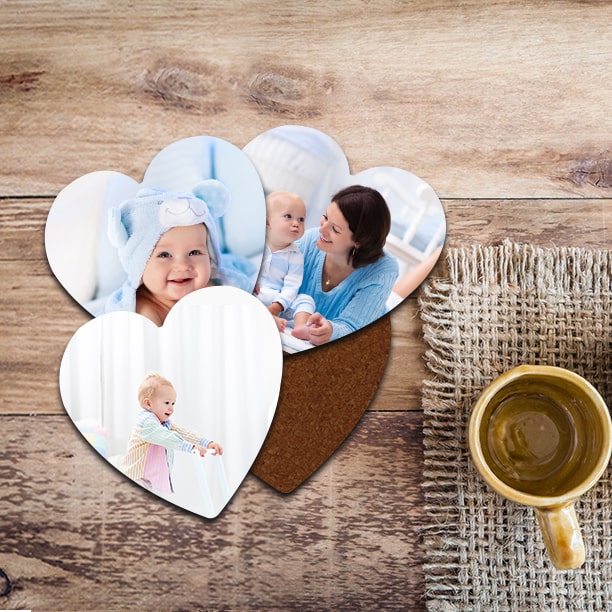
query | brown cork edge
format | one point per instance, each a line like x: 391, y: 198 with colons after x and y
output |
x: 324, y: 393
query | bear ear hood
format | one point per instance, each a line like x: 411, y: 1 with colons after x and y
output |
x: 215, y: 194
x: 117, y: 232
x: 136, y: 225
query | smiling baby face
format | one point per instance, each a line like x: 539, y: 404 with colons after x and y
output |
x: 161, y: 402
x: 179, y: 264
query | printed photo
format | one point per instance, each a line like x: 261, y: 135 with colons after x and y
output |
x: 196, y: 220
x: 341, y: 250
x: 182, y: 410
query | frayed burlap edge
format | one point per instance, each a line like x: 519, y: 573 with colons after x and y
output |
x: 500, y: 307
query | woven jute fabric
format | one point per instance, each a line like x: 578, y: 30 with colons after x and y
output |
x: 497, y: 308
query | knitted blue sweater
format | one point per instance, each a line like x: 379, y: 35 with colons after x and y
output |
x: 358, y: 300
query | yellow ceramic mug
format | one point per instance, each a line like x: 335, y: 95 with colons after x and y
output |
x: 541, y: 436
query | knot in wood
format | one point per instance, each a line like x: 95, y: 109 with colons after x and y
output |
x: 283, y: 93
x: 21, y: 81
x: 183, y: 88
x: 596, y: 172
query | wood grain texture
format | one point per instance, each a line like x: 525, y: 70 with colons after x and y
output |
x: 481, y: 100
x: 502, y: 107
x: 76, y: 535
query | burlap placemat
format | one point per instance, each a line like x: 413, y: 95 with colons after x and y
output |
x: 501, y: 307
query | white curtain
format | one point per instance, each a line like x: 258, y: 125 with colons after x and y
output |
x: 221, y: 351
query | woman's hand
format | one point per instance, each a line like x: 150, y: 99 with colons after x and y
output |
x: 320, y: 329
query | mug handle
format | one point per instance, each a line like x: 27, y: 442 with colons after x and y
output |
x: 562, y: 537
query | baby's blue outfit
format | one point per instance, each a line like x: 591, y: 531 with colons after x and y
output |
x: 281, y: 274
x: 358, y: 300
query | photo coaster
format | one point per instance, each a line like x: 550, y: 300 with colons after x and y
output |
x: 146, y: 397
x: 121, y: 228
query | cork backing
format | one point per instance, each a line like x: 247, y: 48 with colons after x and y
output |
x: 324, y: 393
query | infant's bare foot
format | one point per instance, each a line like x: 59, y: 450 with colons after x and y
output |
x: 280, y: 323
x: 302, y: 332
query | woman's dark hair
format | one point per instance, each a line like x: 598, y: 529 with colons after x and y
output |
x: 369, y: 220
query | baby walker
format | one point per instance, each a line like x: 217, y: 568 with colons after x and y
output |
x: 210, y: 474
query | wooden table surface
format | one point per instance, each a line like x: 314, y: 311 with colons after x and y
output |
x: 503, y: 107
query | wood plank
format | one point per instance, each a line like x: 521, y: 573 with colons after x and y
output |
x: 488, y: 101
x: 545, y: 223
x: 77, y: 535
x: 39, y: 318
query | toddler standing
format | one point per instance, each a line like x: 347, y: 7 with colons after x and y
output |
x: 155, y: 437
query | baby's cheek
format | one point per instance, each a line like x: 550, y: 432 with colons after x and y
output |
x: 204, y: 277
x: 154, y: 271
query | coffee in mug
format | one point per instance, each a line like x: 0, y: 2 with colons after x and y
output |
x: 541, y: 436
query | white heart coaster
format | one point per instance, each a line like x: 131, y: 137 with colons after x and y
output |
x: 78, y: 221
x: 308, y: 163
x: 220, y: 350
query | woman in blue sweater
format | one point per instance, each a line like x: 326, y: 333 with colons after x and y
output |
x: 346, y: 271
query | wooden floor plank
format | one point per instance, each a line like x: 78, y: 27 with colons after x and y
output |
x: 348, y: 538
x: 481, y: 101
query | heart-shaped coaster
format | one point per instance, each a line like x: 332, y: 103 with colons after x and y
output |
x: 324, y: 394
x: 196, y: 180
x: 219, y: 357
x: 296, y: 160
x: 350, y: 278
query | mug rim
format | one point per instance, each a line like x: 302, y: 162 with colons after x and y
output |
x: 498, y: 485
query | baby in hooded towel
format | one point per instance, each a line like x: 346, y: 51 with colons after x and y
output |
x: 168, y: 244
